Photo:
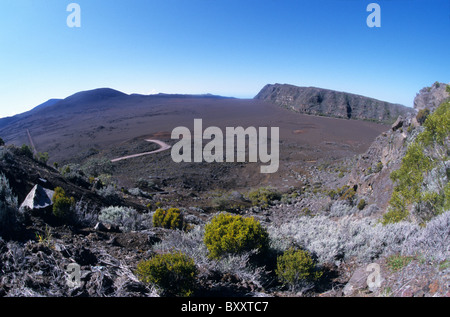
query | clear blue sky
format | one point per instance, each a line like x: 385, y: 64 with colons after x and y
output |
x: 226, y: 47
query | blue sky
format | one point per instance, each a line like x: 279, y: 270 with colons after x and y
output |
x: 225, y: 47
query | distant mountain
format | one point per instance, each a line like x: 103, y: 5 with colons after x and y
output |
x: 44, y: 105
x: 100, y: 98
x: 330, y: 103
x: 81, y: 115
x: 8, y: 120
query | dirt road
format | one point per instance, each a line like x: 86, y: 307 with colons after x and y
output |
x: 163, y: 147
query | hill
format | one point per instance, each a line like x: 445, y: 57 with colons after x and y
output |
x: 325, y: 102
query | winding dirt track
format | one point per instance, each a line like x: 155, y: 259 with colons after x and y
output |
x: 163, y: 147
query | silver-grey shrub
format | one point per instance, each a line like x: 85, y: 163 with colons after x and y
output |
x: 363, y: 239
x: 8, y: 207
x: 433, y: 241
x: 128, y: 219
x: 110, y: 194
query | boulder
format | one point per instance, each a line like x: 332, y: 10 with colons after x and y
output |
x: 398, y: 123
x: 38, y: 198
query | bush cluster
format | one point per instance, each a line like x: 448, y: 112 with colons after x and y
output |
x: 171, y: 218
x: 234, y: 234
x: 175, y: 273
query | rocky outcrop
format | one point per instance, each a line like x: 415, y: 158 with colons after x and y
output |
x: 431, y: 97
x: 324, y: 102
x: 372, y: 171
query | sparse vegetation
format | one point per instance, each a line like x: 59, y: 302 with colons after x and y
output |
x: 97, y: 166
x: 233, y: 234
x: 73, y: 173
x: 174, y: 273
x: 397, y: 262
x: 345, y: 192
x: 378, y: 168
x: 263, y: 196
x: 45, y: 237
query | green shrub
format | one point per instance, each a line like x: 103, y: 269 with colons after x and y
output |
x: 174, y: 273
x: 263, y: 196
x: 349, y: 195
x: 296, y: 266
x: 422, y: 155
x: 42, y: 157
x: 25, y: 150
x: 345, y: 192
x: 233, y: 234
x: 169, y: 219
x: 409, y: 177
x: 422, y: 115
x: 62, y: 205
x: 394, y: 216
x: 362, y: 204
x: 2, y: 143
x: 378, y: 168
x: 437, y: 126
x: 446, y: 203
